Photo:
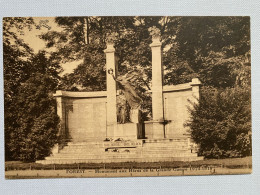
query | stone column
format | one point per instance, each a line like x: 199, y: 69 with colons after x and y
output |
x: 61, y: 114
x: 195, y: 87
x: 195, y: 84
x: 111, y: 67
x: 60, y: 111
x: 157, y: 85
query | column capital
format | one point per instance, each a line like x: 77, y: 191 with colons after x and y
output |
x: 58, y: 93
x: 156, y: 43
x: 195, y: 82
x: 156, y: 36
x: 110, y: 48
x: 110, y: 39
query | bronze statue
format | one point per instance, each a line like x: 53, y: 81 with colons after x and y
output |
x: 130, y: 95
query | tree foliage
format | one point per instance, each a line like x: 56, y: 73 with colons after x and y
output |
x: 29, y: 81
x: 221, y: 122
x: 71, y: 44
x: 210, y: 48
x: 31, y: 123
x: 219, y: 53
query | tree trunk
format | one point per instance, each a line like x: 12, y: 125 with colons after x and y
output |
x: 86, y: 30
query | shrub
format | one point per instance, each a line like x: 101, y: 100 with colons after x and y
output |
x: 221, y: 122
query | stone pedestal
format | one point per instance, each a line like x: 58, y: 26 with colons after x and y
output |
x: 153, y: 130
x: 128, y: 131
x: 135, y: 115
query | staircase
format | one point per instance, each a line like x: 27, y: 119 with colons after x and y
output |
x: 177, y: 149
x: 124, y: 151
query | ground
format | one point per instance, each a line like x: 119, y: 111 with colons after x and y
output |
x: 19, y: 170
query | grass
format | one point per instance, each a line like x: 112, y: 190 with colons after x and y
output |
x: 234, y: 163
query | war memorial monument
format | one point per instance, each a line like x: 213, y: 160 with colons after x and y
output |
x: 91, y: 132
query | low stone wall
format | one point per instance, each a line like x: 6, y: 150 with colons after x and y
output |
x: 176, y: 100
x: 84, y: 117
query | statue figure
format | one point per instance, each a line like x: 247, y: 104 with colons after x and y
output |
x: 130, y: 95
x: 122, y: 109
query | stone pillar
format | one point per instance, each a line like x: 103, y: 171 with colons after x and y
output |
x: 111, y: 67
x: 157, y: 85
x: 62, y: 115
x: 61, y: 111
x: 195, y: 87
x: 195, y: 84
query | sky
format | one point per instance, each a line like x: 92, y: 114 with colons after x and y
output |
x: 32, y: 38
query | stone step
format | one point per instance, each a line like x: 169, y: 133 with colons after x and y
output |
x: 120, y: 155
x: 125, y: 153
x: 144, y: 146
x: 166, y: 144
x: 83, y: 146
x: 169, y: 155
x: 101, y: 143
x: 166, y: 141
x: 85, y: 150
x: 73, y: 161
x: 147, y: 150
x: 125, y: 148
x: 98, y: 145
x: 93, y: 150
x: 166, y: 148
x: 93, y: 147
x: 90, y: 155
x: 155, y: 148
x: 164, y: 153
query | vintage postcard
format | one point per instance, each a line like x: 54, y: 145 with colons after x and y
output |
x: 126, y: 96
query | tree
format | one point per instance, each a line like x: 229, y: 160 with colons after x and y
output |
x: 29, y: 79
x: 37, y: 119
x: 221, y: 122
x: 218, y: 52
x: 15, y: 53
x: 132, y: 45
x: 84, y: 39
x: 210, y: 48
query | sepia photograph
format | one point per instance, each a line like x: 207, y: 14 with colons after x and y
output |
x: 127, y: 96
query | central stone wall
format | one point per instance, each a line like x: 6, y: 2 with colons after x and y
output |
x: 86, y: 118
x: 176, y: 112
x: 82, y: 114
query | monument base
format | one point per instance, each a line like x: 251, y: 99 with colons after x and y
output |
x: 125, y: 131
x: 154, y: 130
x: 136, y: 150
